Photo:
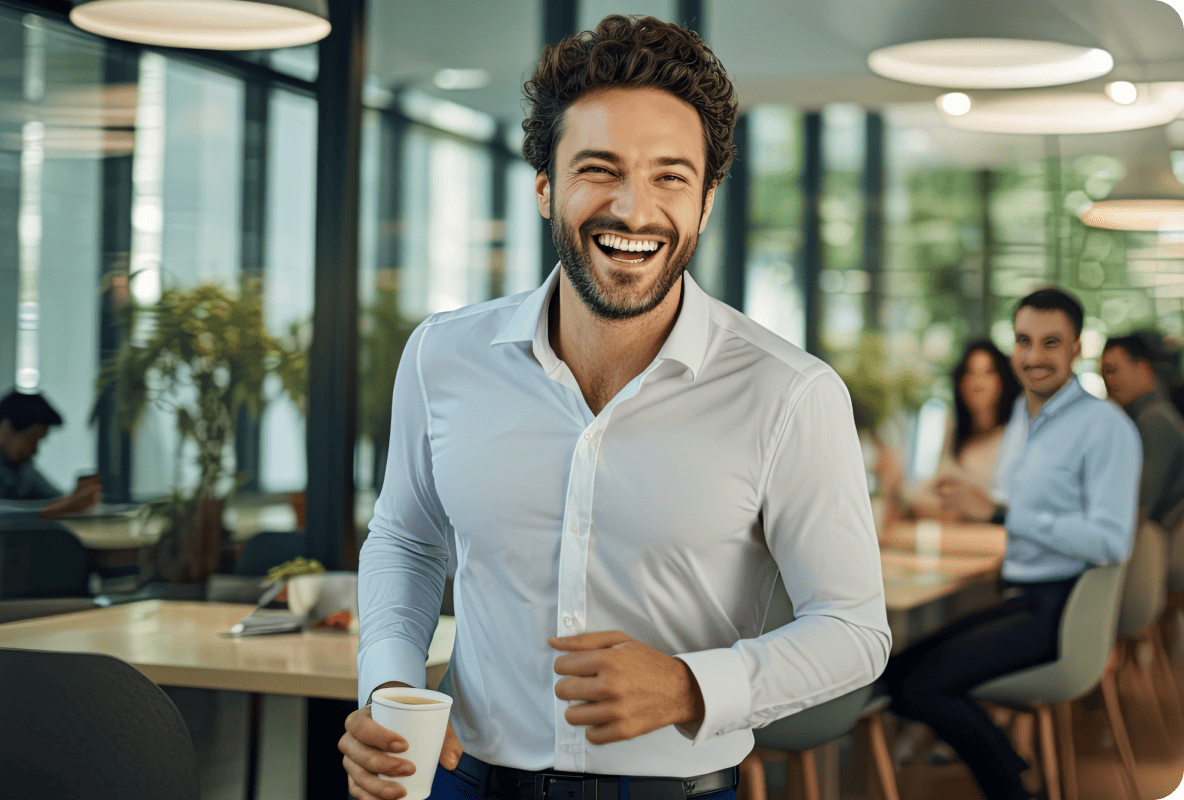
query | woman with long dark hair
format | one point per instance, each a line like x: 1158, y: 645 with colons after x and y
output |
x: 985, y: 391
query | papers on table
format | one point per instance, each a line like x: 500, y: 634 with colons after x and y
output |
x: 267, y: 620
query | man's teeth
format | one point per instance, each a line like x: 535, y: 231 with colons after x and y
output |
x: 617, y: 243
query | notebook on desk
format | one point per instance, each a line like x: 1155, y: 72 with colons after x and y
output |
x: 270, y: 616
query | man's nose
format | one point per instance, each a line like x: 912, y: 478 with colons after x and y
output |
x: 633, y: 203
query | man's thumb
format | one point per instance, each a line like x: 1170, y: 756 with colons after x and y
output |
x: 452, y: 751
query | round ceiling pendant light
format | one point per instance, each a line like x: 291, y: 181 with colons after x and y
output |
x: 207, y: 24
x: 1002, y: 44
x: 990, y: 63
x: 1063, y: 112
x: 1149, y: 198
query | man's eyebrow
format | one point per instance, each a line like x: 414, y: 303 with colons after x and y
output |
x: 603, y: 155
x: 676, y: 161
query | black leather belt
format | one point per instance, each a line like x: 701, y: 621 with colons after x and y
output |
x: 521, y: 784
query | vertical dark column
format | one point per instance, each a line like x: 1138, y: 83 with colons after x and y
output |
x: 690, y: 15
x: 736, y: 221
x: 12, y: 40
x: 812, y: 228
x: 393, y: 133
x: 120, y: 66
x: 333, y: 364
x: 986, y: 311
x: 499, y: 165
x: 559, y: 21
x: 254, y: 212
x: 873, y: 209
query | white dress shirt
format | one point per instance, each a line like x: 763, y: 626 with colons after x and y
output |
x: 666, y: 516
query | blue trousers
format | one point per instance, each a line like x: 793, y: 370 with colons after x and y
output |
x: 449, y: 786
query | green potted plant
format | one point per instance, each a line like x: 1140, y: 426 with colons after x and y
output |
x: 203, y: 354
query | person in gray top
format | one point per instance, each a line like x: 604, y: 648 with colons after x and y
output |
x: 1128, y: 367
x: 25, y: 419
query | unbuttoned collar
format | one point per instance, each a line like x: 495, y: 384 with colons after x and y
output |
x: 1068, y: 394
x: 686, y: 344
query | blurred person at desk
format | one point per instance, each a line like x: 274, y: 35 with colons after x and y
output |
x: 1066, y: 491
x: 985, y: 391
x: 1128, y: 367
x: 626, y: 464
x: 25, y: 419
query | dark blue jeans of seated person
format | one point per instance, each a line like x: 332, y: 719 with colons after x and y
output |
x: 449, y: 786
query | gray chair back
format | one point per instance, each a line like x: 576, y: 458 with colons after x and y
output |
x: 816, y: 725
x: 89, y: 727
x: 1144, y: 593
x: 1088, y: 629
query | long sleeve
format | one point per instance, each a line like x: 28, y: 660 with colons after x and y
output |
x: 818, y: 526
x: 403, y: 561
x: 1162, y: 461
x: 1103, y: 532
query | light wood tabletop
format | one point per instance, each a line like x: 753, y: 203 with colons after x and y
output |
x: 188, y: 644
x: 911, y: 581
x: 961, y: 537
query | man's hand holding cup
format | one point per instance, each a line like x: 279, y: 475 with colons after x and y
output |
x: 391, y: 746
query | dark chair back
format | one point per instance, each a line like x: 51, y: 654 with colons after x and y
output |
x: 268, y: 549
x: 78, y: 725
x: 48, y: 562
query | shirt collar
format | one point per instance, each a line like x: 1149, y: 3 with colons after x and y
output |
x: 686, y: 344
x: 1068, y: 394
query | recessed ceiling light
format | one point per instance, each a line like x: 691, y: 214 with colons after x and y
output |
x: 1149, y: 198
x: 990, y: 63
x: 1122, y: 92
x: 461, y: 79
x: 206, y: 24
x: 1069, y: 112
x: 954, y: 103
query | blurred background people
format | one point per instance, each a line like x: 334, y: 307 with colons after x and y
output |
x: 25, y: 419
x: 985, y: 391
x: 1128, y: 367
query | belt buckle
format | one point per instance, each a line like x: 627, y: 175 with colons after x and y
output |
x: 550, y: 786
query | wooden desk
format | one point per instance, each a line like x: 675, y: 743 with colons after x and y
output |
x: 187, y: 644
x: 911, y: 582
x: 962, y: 537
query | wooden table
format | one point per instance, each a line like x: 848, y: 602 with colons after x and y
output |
x: 187, y: 644
x: 911, y: 581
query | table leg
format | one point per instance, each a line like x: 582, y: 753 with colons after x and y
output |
x: 324, y: 777
x: 254, y: 713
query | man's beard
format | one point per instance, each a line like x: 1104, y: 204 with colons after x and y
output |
x: 577, y: 265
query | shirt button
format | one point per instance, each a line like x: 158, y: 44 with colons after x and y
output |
x: 588, y: 435
x: 568, y: 621
x: 574, y: 528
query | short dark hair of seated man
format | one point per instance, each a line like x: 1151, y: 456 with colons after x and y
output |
x: 1129, y: 369
x: 25, y: 419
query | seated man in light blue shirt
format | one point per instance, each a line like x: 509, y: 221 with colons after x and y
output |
x: 1067, y: 490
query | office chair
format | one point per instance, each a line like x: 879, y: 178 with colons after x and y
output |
x: 91, y: 727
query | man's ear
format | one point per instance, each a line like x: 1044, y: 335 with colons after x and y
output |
x: 542, y: 194
x: 708, y: 202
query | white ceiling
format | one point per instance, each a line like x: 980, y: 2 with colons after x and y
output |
x: 805, y: 53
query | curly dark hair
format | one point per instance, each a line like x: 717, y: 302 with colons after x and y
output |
x: 631, y: 52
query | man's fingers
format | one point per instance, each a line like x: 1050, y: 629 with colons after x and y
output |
x: 363, y: 728
x: 452, y: 751
x: 589, y: 689
x: 605, y: 734
x: 372, y: 760
x: 374, y: 785
x: 590, y: 714
x: 596, y: 640
x: 585, y: 664
x: 358, y: 791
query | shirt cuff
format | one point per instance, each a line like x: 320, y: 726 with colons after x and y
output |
x: 1030, y: 524
x: 727, y: 696
x: 390, y: 660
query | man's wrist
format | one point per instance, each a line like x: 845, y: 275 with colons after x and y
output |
x: 695, y: 708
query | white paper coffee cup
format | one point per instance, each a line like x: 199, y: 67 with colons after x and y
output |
x: 422, y: 725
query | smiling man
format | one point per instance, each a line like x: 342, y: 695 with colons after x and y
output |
x: 625, y: 465
x: 1066, y: 488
